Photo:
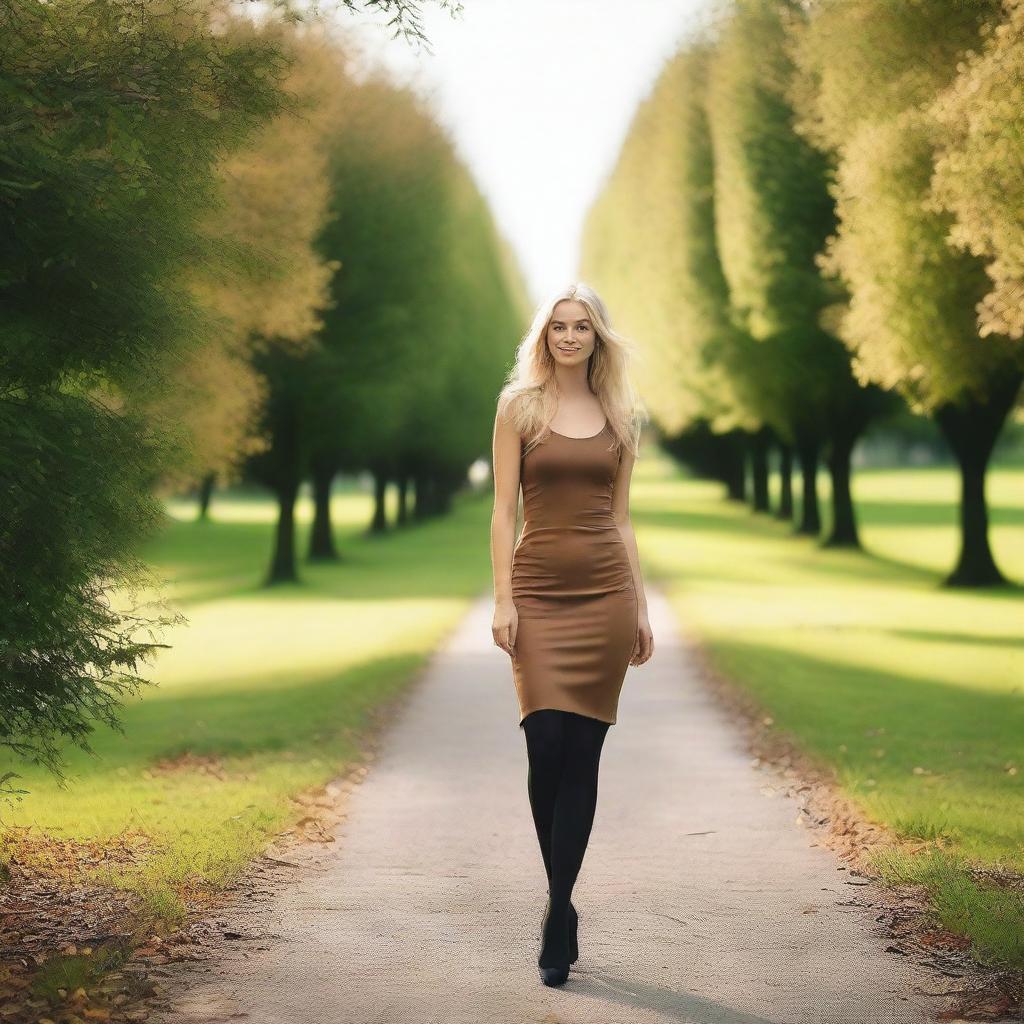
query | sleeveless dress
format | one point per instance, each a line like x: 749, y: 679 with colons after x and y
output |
x: 572, y: 584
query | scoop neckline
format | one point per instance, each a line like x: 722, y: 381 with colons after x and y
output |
x: 587, y: 437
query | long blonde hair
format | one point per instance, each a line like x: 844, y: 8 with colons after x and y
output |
x: 529, y: 398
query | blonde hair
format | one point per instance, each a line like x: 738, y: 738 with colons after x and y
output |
x: 529, y: 398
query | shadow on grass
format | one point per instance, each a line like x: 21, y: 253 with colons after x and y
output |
x: 733, y: 519
x: 445, y: 556
x: 927, y: 759
x: 910, y: 748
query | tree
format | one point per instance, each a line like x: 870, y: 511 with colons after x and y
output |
x: 649, y: 244
x: 402, y: 374
x: 272, y: 283
x: 870, y: 75
x: 773, y: 215
x: 114, y: 123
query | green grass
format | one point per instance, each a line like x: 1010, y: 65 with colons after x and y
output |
x: 911, y: 692
x: 274, y: 683
x: 79, y: 970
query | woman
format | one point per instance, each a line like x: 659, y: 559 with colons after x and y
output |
x: 570, y: 608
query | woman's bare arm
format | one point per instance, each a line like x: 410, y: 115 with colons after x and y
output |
x: 505, y: 465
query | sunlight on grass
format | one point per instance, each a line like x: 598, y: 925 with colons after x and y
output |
x: 270, y: 687
x: 253, y: 642
x: 911, y: 517
x: 351, y: 505
x: 912, y: 693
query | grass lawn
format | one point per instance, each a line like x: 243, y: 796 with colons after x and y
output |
x: 913, y: 693
x: 272, y: 683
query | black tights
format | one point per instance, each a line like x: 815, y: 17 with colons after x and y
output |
x: 564, y: 750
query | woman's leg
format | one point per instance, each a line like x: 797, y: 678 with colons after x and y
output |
x: 576, y: 802
x: 544, y: 746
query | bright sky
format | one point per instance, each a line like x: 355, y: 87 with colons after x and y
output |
x: 538, y: 95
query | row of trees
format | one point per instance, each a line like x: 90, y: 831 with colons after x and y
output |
x: 423, y: 316
x: 815, y: 215
x: 226, y: 248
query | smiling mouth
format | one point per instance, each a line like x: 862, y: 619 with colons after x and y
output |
x: 568, y: 350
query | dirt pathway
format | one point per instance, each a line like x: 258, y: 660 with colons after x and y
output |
x: 700, y: 899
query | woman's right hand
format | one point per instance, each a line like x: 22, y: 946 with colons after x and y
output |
x: 505, y: 625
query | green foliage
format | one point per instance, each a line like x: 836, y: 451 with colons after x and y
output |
x: 773, y: 214
x: 67, y: 655
x: 650, y: 246
x: 424, y: 308
x: 772, y: 204
x: 114, y: 118
x: 979, y: 173
x: 706, y: 237
x: 869, y: 74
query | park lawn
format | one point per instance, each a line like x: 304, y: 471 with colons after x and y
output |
x: 274, y: 685
x: 913, y: 694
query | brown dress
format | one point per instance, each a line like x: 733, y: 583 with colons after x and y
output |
x: 572, y: 584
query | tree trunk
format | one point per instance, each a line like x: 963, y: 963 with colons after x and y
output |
x: 402, y: 516
x: 735, y: 483
x: 444, y: 498
x: 971, y: 431
x: 282, y: 566
x: 785, y: 509
x: 734, y: 465
x: 424, y: 507
x: 419, y: 508
x: 810, y: 518
x: 321, y: 538
x: 759, y: 443
x: 449, y: 484
x: 844, y: 522
x: 379, y: 523
x: 205, y: 493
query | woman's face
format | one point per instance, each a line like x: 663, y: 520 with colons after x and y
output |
x: 570, y: 334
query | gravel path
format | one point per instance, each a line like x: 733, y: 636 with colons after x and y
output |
x: 700, y: 899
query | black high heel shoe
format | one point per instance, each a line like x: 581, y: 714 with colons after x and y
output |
x: 574, y: 924
x: 553, y: 962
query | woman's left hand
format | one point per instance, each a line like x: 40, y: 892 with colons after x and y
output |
x: 643, y: 646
